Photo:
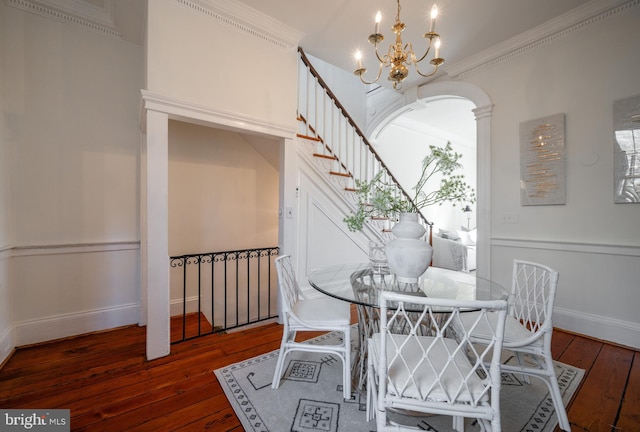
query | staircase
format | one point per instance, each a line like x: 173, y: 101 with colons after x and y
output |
x: 339, y: 146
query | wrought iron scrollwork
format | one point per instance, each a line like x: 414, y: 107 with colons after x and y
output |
x: 218, y: 269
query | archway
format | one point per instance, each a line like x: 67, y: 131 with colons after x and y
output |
x: 482, y: 112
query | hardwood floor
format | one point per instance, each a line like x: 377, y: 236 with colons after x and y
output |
x: 108, y: 385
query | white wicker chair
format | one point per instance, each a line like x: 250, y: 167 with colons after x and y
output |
x: 317, y: 314
x: 422, y: 361
x: 529, y: 328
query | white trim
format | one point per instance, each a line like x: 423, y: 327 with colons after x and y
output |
x: 591, y: 248
x: 175, y: 307
x: 6, y: 252
x: 7, y: 343
x: 608, y: 329
x: 247, y: 20
x: 107, y: 20
x: 60, y: 249
x: 483, y: 113
x: 199, y: 114
x: 576, y: 19
x: 71, y: 324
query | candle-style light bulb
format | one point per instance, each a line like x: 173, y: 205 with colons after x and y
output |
x: 437, y: 53
x: 378, y: 19
x: 358, y: 56
x: 434, y: 14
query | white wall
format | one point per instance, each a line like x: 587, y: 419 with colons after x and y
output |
x: 205, y: 66
x: 71, y: 103
x: 404, y: 142
x: 7, y: 338
x: 223, y: 195
x: 594, y: 243
x: 346, y: 87
x: 194, y: 57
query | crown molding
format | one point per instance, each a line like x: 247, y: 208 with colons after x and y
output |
x: 577, y: 19
x: 107, y: 19
x: 247, y: 20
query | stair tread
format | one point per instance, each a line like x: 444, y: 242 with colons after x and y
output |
x: 339, y: 174
x: 325, y: 156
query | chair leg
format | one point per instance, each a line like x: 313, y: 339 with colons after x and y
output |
x: 277, y: 375
x: 519, y: 358
x: 554, y: 388
x: 458, y: 424
x: 346, y: 367
x: 372, y: 394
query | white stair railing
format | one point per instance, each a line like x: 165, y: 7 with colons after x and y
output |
x: 324, y: 120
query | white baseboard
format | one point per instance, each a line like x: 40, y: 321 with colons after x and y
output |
x: 607, y: 329
x: 61, y: 326
x: 7, y: 343
x: 175, y: 307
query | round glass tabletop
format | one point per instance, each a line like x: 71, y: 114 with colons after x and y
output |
x: 360, y: 285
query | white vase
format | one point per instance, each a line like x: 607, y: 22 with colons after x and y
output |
x: 408, y: 256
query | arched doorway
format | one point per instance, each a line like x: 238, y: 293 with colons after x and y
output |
x: 479, y: 103
x: 405, y: 140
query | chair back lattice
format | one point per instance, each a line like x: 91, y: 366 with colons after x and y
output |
x: 287, y: 282
x: 427, y: 360
x: 532, y: 295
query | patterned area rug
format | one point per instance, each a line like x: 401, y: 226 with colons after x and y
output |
x: 310, y: 397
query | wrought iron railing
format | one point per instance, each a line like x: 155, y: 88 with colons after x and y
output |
x: 223, y: 290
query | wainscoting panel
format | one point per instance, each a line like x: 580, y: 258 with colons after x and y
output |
x: 598, y: 289
x: 66, y: 290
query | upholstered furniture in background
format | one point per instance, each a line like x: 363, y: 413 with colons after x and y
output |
x: 455, y: 250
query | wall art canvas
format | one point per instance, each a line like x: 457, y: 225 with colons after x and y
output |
x: 626, y: 150
x: 542, y: 161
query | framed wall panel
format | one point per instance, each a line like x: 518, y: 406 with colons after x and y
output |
x: 626, y: 150
x: 542, y: 161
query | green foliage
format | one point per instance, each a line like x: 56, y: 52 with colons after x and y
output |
x: 453, y: 188
x: 378, y: 198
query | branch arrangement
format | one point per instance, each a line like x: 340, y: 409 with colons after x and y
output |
x: 379, y: 199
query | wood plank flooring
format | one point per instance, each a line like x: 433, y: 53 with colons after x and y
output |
x: 108, y: 385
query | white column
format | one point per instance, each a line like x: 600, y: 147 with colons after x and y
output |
x: 483, y: 188
x: 154, y: 233
x: 288, y: 207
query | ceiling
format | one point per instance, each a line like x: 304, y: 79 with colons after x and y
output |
x: 334, y: 29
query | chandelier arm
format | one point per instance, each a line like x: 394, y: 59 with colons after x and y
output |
x: 435, y: 69
x: 426, y: 52
x: 376, y: 79
x: 382, y: 60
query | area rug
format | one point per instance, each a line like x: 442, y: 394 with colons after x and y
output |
x: 310, y: 397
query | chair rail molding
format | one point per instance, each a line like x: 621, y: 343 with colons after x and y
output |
x: 58, y: 249
x: 566, y: 246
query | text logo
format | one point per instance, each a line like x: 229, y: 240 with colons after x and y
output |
x: 55, y: 420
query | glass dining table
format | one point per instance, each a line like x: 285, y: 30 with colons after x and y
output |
x: 360, y: 285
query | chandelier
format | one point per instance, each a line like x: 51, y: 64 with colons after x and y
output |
x: 399, y: 57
